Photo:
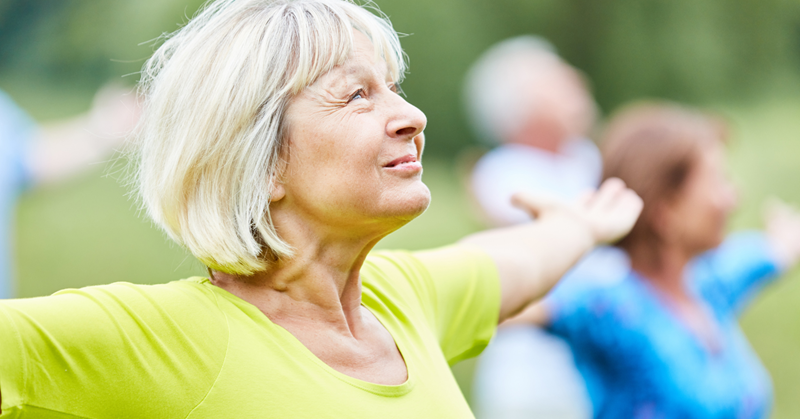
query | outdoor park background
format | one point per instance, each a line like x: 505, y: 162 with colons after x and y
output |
x: 740, y: 58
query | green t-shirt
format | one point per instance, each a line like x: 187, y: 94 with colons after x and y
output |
x: 189, y: 349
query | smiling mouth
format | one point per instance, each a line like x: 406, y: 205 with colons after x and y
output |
x: 402, y: 160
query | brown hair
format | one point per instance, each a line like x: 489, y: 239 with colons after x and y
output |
x: 653, y: 147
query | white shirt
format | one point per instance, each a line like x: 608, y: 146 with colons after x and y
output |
x: 512, y: 168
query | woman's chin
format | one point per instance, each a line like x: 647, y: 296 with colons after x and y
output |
x: 411, y: 204
x: 415, y: 207
x: 710, y: 243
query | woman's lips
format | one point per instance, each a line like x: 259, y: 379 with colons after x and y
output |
x: 407, y: 162
x: 408, y: 158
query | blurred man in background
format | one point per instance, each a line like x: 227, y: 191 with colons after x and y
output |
x: 31, y: 155
x: 522, y: 96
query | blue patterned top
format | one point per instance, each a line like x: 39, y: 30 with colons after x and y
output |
x: 640, y: 361
x: 15, y: 129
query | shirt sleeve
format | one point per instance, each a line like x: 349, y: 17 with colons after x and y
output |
x: 101, y: 351
x: 460, y: 287
x: 600, y: 329
x: 13, y: 366
x: 730, y: 275
x: 587, y: 319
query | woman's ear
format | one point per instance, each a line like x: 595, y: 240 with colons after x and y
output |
x: 277, y: 192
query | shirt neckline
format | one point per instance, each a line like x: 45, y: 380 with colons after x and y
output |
x: 662, y: 302
x: 289, y: 339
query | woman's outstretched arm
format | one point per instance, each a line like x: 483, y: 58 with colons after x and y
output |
x: 532, y: 257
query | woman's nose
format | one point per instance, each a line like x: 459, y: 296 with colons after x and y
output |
x: 730, y: 196
x: 407, y: 120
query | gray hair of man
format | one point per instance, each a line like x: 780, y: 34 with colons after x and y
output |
x: 495, y: 103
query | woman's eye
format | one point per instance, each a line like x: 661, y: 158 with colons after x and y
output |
x: 359, y: 94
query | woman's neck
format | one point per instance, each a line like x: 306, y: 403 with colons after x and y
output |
x: 315, y: 295
x: 667, y: 278
x: 664, y: 269
x: 320, y: 283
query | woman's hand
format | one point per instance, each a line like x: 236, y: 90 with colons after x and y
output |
x: 532, y: 257
x: 608, y: 213
x: 783, y: 231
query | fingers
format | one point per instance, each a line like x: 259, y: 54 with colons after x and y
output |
x: 632, y: 204
x: 625, y: 200
x: 608, y: 193
x: 610, y: 213
x: 585, y: 198
x: 614, y: 209
x: 535, y: 204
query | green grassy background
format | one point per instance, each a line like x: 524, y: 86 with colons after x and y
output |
x: 85, y: 231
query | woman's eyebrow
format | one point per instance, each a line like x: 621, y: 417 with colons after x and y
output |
x: 357, y: 70
x: 354, y: 73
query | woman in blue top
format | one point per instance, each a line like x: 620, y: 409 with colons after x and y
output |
x: 664, y: 342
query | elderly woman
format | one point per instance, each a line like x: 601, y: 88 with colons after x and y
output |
x: 275, y: 147
x: 665, y: 342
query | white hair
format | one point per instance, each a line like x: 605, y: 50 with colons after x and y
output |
x: 210, y: 141
x: 495, y: 103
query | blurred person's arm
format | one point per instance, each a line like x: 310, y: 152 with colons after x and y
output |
x: 738, y: 261
x: 64, y: 148
x: 532, y: 257
x: 731, y: 275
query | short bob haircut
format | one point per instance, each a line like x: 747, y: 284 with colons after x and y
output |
x: 210, y: 143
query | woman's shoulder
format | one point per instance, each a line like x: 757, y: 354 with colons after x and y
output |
x: 453, y: 290
x: 729, y: 276
x: 434, y: 280
x: 190, y: 290
x: 119, y: 314
x: 122, y: 303
x: 395, y: 276
x: 169, y: 339
x: 623, y: 300
x: 422, y: 271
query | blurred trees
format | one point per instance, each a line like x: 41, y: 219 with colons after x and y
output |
x: 689, y: 50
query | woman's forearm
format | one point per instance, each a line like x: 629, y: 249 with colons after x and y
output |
x: 531, y: 258
x: 537, y: 314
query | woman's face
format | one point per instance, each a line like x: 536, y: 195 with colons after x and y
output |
x: 697, y: 218
x: 355, y: 148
